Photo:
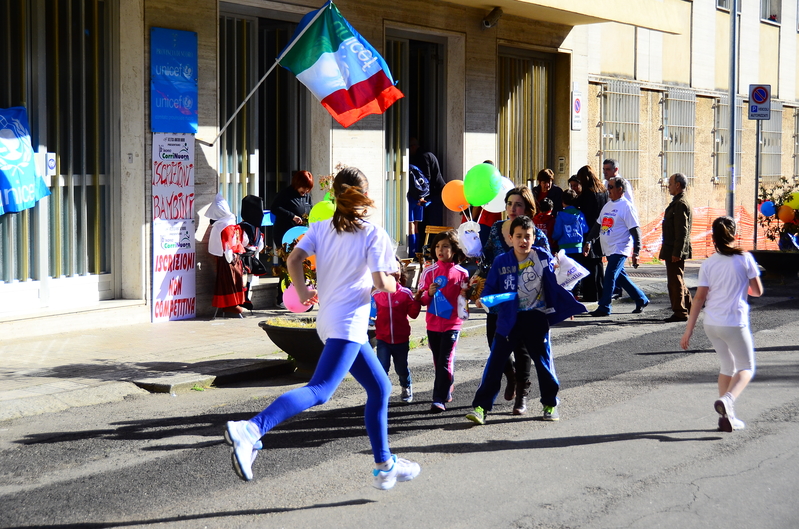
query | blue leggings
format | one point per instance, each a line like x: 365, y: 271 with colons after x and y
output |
x: 338, y: 357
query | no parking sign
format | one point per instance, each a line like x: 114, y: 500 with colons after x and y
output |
x: 759, y: 101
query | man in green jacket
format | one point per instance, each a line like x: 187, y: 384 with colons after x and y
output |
x: 677, y: 247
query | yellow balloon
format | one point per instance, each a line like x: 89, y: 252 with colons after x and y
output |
x: 794, y: 202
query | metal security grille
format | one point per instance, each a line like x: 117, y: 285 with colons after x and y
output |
x: 771, y: 146
x: 621, y: 103
x: 396, y: 124
x: 56, y: 60
x: 721, y: 139
x: 237, y: 75
x: 679, y: 128
x: 796, y: 146
x: 524, y: 120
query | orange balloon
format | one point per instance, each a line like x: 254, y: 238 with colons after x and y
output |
x: 786, y: 213
x: 453, y: 196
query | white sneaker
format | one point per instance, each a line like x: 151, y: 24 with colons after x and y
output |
x: 239, y: 434
x: 407, y: 395
x: 724, y: 408
x: 401, y: 470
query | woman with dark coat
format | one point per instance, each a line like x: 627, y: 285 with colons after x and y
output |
x: 590, y: 202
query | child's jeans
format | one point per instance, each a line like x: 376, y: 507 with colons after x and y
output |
x: 442, y: 344
x: 532, y: 328
x: 399, y: 352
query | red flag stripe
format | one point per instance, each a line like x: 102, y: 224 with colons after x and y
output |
x: 372, y: 96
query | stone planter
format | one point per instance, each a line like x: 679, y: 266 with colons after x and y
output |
x: 301, y: 343
x: 778, y: 262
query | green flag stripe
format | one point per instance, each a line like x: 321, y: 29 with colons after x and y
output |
x: 324, y: 36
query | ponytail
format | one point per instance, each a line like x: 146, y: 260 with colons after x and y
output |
x: 349, y: 187
x: 724, y: 236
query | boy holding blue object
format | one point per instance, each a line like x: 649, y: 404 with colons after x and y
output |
x: 527, y: 272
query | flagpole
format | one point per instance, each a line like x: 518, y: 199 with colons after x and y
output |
x: 285, y: 51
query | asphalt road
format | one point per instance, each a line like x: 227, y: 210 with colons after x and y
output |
x: 637, y: 446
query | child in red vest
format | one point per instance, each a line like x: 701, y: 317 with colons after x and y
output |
x: 545, y: 221
x: 393, y: 331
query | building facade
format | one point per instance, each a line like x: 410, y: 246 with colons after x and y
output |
x: 480, y: 83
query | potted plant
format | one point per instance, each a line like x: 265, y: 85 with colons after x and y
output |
x: 778, y: 218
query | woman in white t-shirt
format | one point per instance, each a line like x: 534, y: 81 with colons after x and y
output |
x: 725, y: 279
x: 352, y: 256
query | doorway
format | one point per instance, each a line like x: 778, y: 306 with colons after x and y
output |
x: 418, y: 68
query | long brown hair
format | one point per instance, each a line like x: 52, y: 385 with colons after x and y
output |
x: 350, y: 187
x: 527, y: 196
x: 724, y: 236
x: 589, y: 180
x: 454, y: 242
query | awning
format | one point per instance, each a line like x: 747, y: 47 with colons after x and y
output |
x: 658, y: 15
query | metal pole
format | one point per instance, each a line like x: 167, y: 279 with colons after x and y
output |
x: 733, y: 106
x: 758, y: 134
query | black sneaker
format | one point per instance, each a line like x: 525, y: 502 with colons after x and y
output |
x: 599, y: 313
x: 674, y: 318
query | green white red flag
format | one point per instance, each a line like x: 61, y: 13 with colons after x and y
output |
x: 339, y: 67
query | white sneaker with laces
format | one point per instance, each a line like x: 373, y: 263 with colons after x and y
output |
x: 401, y: 470
x: 242, y: 436
x: 407, y: 395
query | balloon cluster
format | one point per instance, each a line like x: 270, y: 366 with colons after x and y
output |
x: 785, y: 212
x: 482, y: 186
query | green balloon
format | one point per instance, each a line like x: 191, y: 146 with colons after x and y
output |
x: 481, y: 184
x: 321, y: 211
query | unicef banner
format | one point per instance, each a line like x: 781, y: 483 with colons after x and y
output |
x: 173, y: 80
x: 20, y: 185
x: 173, y: 227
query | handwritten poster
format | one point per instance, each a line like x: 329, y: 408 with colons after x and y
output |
x: 174, y: 257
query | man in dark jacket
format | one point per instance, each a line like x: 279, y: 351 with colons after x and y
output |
x: 677, y: 247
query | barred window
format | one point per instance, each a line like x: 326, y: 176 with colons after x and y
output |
x: 771, y: 146
x: 721, y: 139
x: 621, y: 102
x: 679, y: 127
x: 796, y: 146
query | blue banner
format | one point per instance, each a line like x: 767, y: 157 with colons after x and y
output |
x: 20, y: 184
x: 173, y: 80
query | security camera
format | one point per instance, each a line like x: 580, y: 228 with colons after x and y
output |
x: 492, y: 18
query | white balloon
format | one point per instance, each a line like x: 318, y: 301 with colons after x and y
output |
x: 497, y: 204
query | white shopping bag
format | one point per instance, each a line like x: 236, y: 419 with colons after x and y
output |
x: 568, y: 271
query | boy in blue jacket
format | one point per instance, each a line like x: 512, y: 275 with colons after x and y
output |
x: 539, y: 302
x: 570, y: 226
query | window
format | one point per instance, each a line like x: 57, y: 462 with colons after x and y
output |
x: 721, y: 139
x: 679, y: 125
x: 620, y: 112
x: 725, y: 5
x: 63, y: 72
x: 770, y: 10
x: 524, y: 115
x: 771, y: 146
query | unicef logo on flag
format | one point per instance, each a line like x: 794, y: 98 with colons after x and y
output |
x: 187, y: 102
x: 16, y: 153
x: 20, y: 186
x: 187, y: 71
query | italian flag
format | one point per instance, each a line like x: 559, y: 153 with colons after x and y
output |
x: 339, y: 67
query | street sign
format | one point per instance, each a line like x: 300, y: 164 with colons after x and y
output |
x: 759, y: 101
x: 577, y: 108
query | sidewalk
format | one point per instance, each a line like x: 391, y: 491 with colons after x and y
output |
x: 50, y: 373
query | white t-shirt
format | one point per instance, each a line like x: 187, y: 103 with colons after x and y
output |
x: 344, y: 265
x: 727, y: 278
x: 616, y: 220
